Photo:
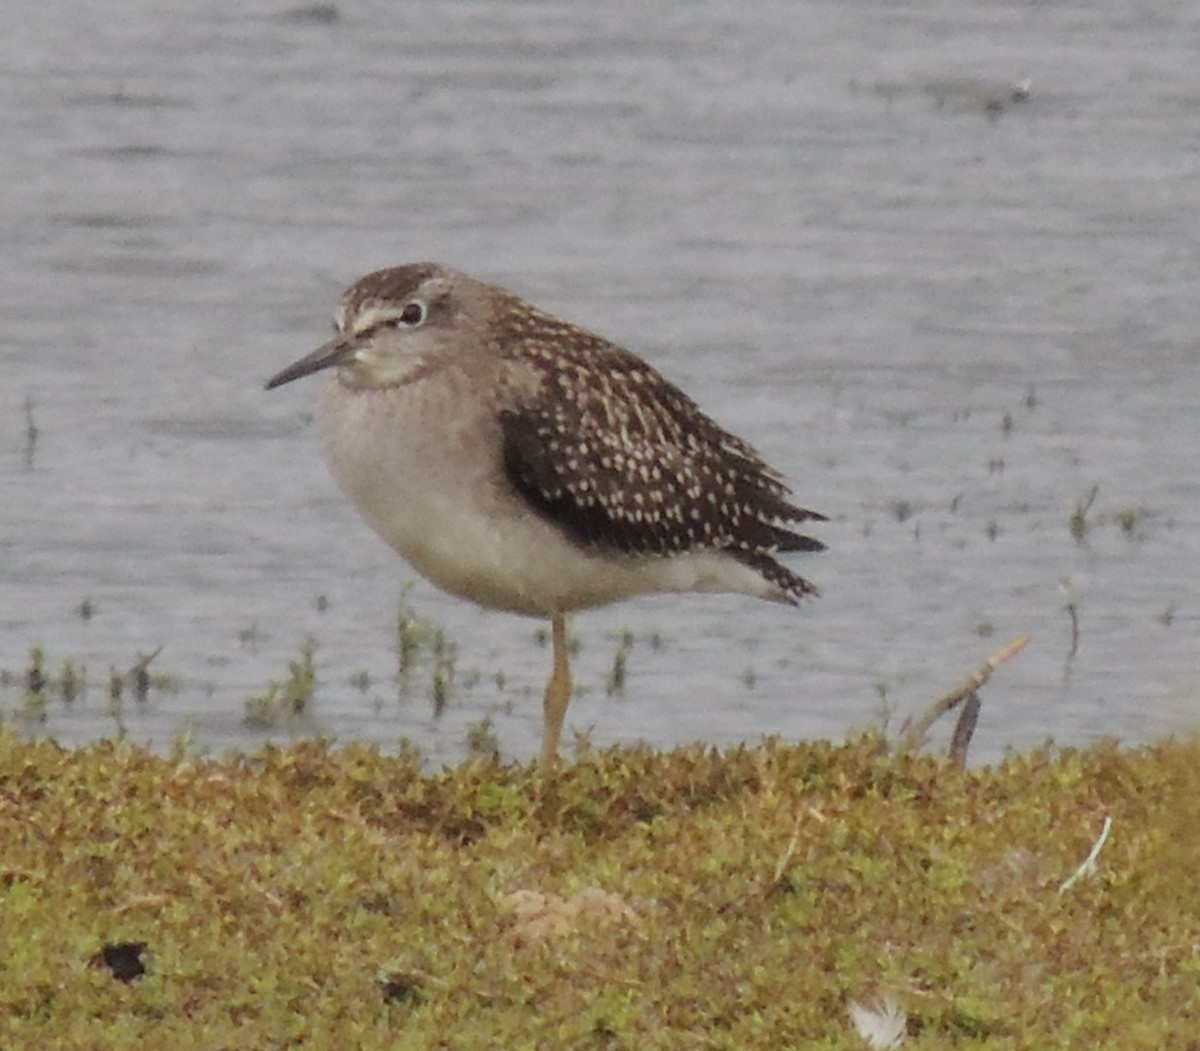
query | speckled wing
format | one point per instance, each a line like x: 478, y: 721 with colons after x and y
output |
x: 618, y: 457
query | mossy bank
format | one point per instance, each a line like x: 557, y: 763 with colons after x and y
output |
x: 338, y: 898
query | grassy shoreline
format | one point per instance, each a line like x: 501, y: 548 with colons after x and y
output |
x: 315, y: 897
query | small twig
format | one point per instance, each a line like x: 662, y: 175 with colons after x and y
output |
x: 1078, y: 521
x: 785, y: 859
x: 607, y: 976
x: 915, y: 735
x: 1072, y: 609
x: 139, y: 675
x: 272, y: 900
x: 1088, y: 868
x: 141, y: 901
x: 964, y: 729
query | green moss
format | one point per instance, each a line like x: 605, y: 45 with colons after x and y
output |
x: 310, y: 897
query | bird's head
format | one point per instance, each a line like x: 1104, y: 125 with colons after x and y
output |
x: 393, y: 326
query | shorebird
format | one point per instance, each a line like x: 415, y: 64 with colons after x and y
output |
x: 529, y: 465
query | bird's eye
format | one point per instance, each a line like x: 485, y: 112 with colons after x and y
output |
x: 412, y: 314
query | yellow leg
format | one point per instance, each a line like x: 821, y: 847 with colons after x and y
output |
x: 558, y: 693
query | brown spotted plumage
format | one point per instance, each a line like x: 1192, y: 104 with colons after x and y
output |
x: 621, y: 459
x: 528, y: 464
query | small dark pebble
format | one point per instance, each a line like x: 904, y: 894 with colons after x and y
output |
x: 124, y: 959
x: 399, y: 988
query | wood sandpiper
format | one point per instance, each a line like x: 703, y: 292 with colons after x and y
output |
x: 529, y: 465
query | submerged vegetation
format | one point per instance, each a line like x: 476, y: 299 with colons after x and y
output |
x: 778, y: 896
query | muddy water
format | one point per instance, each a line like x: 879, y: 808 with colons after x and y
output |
x: 948, y: 312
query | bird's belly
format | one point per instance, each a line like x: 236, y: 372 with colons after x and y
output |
x: 512, y: 560
x: 505, y: 558
x: 467, y: 555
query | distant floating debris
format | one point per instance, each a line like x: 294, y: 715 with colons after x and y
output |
x: 990, y: 97
x: 311, y: 14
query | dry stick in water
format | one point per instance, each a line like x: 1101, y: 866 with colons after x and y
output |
x: 964, y: 729
x: 914, y: 737
x: 1073, y: 612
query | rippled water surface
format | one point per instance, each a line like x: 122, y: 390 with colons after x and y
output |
x: 949, y: 314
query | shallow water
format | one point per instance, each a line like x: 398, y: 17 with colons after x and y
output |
x: 945, y: 322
